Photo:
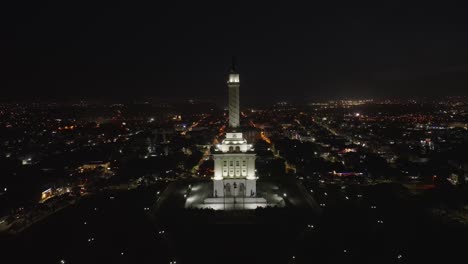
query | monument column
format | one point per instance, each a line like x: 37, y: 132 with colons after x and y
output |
x: 233, y: 86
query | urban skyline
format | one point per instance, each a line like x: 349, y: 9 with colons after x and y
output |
x: 118, y: 182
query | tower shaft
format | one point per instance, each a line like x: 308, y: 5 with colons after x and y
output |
x: 233, y: 105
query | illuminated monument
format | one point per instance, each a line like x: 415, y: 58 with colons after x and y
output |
x: 234, y: 181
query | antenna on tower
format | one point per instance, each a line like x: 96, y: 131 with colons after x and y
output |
x: 233, y: 66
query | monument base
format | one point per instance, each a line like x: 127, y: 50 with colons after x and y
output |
x: 231, y: 203
x: 202, y: 196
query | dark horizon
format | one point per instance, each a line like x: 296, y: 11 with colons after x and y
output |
x: 128, y: 50
x: 220, y: 101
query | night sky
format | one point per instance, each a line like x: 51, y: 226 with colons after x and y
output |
x: 289, y: 51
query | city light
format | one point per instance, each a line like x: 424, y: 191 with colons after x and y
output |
x: 213, y: 174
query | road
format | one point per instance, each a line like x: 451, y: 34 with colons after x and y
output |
x: 207, y: 152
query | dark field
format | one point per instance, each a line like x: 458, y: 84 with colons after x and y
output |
x: 346, y: 232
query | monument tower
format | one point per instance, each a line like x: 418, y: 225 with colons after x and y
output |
x: 234, y: 159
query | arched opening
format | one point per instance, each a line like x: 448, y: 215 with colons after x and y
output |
x: 227, y: 189
x: 237, y: 149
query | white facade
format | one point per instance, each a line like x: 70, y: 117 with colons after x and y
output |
x: 234, y: 168
x: 234, y: 142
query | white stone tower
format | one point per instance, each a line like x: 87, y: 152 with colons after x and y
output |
x: 233, y: 86
x: 234, y: 158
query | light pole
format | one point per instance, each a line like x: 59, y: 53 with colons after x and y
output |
x: 244, y: 193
